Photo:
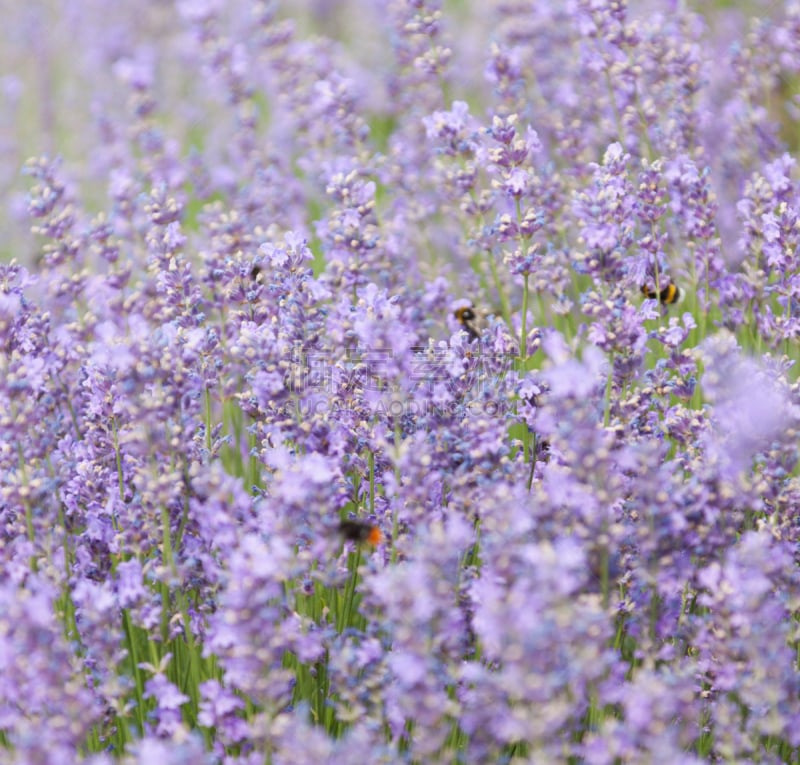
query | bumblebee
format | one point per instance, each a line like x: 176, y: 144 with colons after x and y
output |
x: 360, y: 531
x: 465, y: 316
x: 667, y: 296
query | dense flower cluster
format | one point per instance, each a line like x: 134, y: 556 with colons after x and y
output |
x: 387, y: 381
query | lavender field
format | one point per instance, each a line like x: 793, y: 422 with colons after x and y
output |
x: 399, y: 381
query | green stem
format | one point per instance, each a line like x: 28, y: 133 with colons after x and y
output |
x: 72, y: 415
x: 135, y: 669
x: 350, y: 591
x: 118, y: 459
x: 523, y: 336
x: 371, y: 463
x: 501, y: 293
x: 534, y: 446
x: 166, y: 540
x: 29, y: 526
x: 207, y: 401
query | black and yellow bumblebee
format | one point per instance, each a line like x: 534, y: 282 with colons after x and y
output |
x: 666, y: 296
x: 466, y: 317
x: 360, y: 531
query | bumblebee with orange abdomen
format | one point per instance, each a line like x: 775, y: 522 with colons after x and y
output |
x: 666, y: 296
x: 360, y: 531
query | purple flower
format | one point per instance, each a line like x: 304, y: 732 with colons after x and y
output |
x: 750, y: 406
x: 151, y: 749
x: 220, y: 709
x: 130, y: 588
x: 47, y: 710
x: 741, y: 645
x: 167, y: 713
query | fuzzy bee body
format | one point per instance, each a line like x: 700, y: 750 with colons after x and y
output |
x: 466, y: 317
x: 666, y: 296
x: 360, y: 531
